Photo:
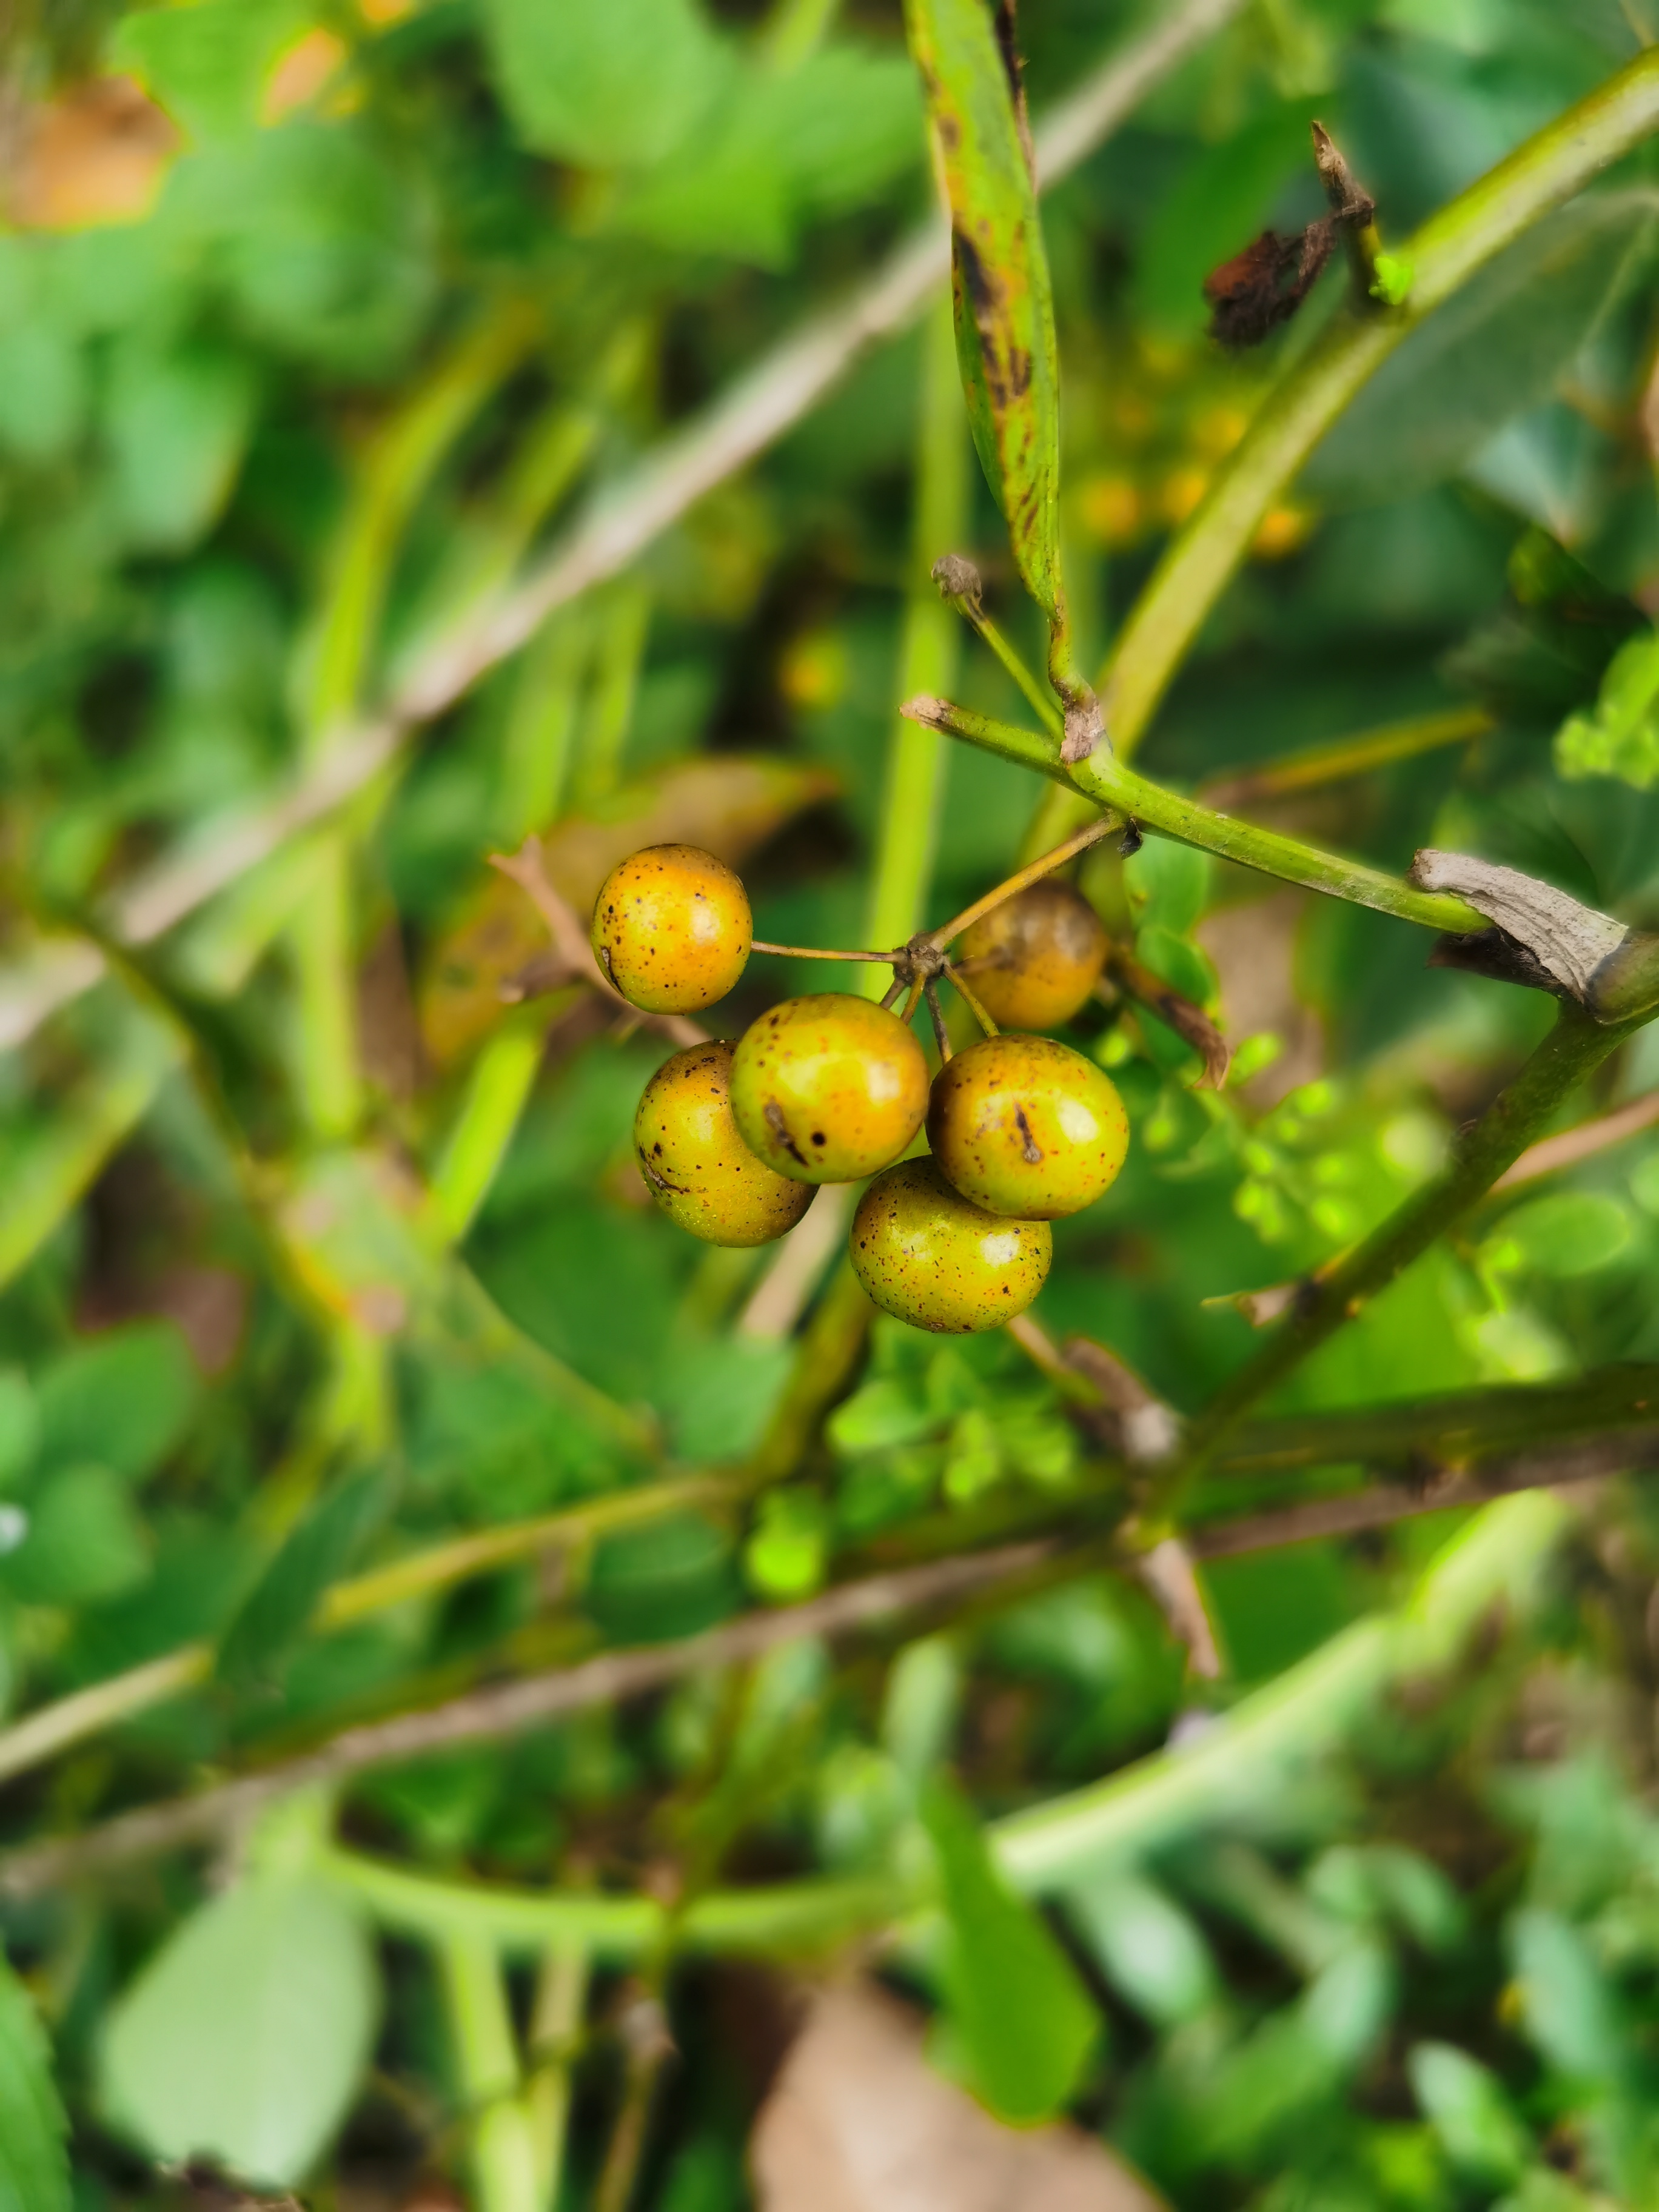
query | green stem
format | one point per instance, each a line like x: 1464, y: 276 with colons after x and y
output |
x: 620, y: 627
x: 498, y: 1088
x: 1575, y: 1046
x: 928, y: 659
x: 1316, y: 766
x: 1457, y: 1428
x: 399, y: 465
x: 802, y: 1915
x: 541, y: 721
x: 1108, y: 786
x: 1271, y: 1740
x: 561, y: 1997
x: 506, y: 2169
x: 326, y: 1060
x: 1549, y: 168
x: 53, y: 1165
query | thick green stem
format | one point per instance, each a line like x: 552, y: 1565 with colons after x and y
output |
x: 1108, y: 786
x: 1574, y: 1047
x: 1549, y: 168
x: 1273, y: 1739
x: 928, y: 659
x: 555, y: 2024
x: 506, y: 2169
x: 800, y: 1916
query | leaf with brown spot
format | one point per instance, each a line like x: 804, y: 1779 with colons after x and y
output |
x: 999, y: 272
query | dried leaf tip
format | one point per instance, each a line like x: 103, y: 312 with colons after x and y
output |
x: 958, y: 579
x: 1570, y: 942
x: 1084, y: 730
x: 931, y: 713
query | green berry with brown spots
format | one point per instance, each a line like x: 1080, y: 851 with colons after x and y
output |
x: 1025, y: 1126
x: 829, y: 1088
x: 927, y: 1254
x: 1033, y: 961
x: 672, y: 928
x: 694, y: 1163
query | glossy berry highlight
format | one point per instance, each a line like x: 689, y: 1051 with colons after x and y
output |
x: 694, y: 1163
x: 930, y: 1256
x: 1024, y: 1126
x: 671, y: 929
x: 829, y: 1088
x: 1033, y: 961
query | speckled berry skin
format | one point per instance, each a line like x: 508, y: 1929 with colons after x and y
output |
x: 1024, y: 1126
x: 697, y: 1167
x: 926, y: 1255
x: 672, y: 928
x: 829, y: 1088
x: 1043, y: 951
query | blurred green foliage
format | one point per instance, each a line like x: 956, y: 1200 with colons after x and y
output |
x: 318, y: 1257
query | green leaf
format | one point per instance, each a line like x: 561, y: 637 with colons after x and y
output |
x: 244, y: 2036
x: 1026, y: 2022
x: 1167, y: 884
x: 20, y: 1425
x: 83, y: 1541
x: 1000, y: 290
x: 124, y: 1399
x: 1494, y: 351
x: 778, y: 152
x: 1155, y: 1953
x: 883, y: 1412
x: 322, y: 243
x: 1572, y: 2014
x: 281, y: 1603
x: 1468, y: 2110
x: 43, y: 390
x: 612, y: 85
x: 785, y: 1555
x: 207, y: 64
x: 34, y: 2175
x: 177, y: 418
x: 1644, y: 1184
x: 1568, y: 1233
x: 670, y: 1578
x: 1620, y: 737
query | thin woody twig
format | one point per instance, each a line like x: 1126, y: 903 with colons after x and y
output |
x: 525, y: 869
x: 1571, y: 1146
x: 506, y: 1709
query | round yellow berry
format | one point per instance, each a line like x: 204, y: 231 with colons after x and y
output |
x: 1024, y: 1126
x: 1032, y: 961
x: 672, y: 928
x: 829, y: 1088
x: 927, y: 1254
x: 694, y: 1163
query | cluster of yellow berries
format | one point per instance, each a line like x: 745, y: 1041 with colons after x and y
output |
x: 733, y: 1139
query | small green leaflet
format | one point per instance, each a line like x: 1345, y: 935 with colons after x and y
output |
x: 1028, y: 2024
x: 1005, y: 314
x: 33, y: 2167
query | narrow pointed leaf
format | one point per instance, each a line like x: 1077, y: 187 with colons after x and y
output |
x: 999, y: 271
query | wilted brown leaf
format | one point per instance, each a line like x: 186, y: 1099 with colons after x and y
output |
x: 859, y: 2122
x: 97, y: 155
x: 728, y: 805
